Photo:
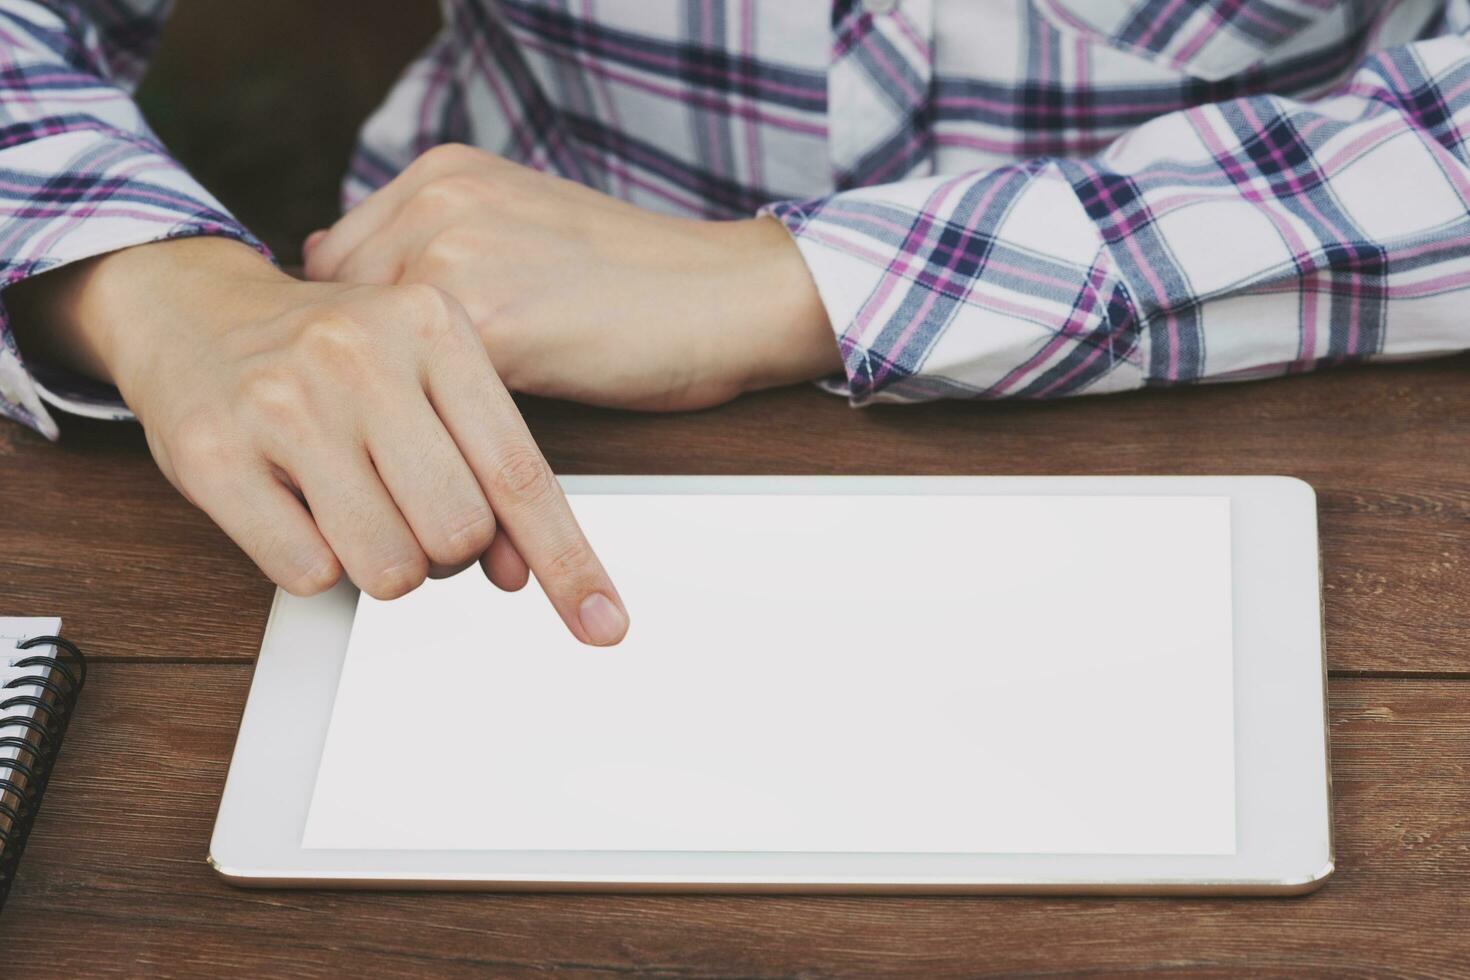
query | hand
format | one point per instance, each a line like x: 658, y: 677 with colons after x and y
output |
x: 326, y: 427
x: 578, y: 295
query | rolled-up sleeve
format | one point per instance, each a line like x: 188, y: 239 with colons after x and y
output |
x: 1240, y: 239
x: 81, y: 173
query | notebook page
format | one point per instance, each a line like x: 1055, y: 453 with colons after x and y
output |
x: 812, y: 673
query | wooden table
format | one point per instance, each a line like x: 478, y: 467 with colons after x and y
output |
x: 114, y: 880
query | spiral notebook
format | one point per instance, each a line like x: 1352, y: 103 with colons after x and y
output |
x: 41, y: 675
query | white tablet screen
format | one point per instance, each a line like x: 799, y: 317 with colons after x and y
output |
x: 845, y: 673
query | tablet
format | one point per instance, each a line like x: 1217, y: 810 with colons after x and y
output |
x: 968, y: 684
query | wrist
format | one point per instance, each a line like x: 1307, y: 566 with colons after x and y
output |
x: 785, y: 335
x: 121, y: 309
x: 96, y: 315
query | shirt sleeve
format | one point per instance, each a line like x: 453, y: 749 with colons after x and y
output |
x: 81, y: 174
x: 1247, y: 238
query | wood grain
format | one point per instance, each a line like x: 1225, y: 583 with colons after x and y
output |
x: 92, y: 531
x: 114, y: 882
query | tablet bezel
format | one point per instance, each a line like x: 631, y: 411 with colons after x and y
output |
x: 1282, y: 774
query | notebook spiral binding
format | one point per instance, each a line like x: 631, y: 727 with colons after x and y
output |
x: 36, y: 738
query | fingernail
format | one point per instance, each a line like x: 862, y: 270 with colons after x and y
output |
x: 602, y: 621
x: 312, y: 239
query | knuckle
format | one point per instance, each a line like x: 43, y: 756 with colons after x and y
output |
x: 427, y: 302
x: 301, y: 568
x: 521, y: 473
x: 568, y: 562
x: 465, y: 539
x: 448, y: 248
x: 446, y: 194
x: 334, y: 333
x: 277, y: 397
x: 312, y: 579
x: 339, y: 346
x: 445, y: 157
x: 398, y: 579
x: 431, y: 313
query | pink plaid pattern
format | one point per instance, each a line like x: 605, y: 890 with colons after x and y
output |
x: 995, y: 198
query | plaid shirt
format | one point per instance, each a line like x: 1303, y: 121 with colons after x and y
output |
x: 995, y: 197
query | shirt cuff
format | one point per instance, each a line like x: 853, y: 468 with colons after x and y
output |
x: 926, y: 305
x: 842, y: 278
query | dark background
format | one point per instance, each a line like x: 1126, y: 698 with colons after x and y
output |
x: 262, y: 99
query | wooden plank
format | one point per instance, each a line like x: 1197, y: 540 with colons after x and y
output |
x: 93, y: 532
x: 114, y: 880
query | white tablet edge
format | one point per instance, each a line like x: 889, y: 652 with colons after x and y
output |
x: 1283, y: 810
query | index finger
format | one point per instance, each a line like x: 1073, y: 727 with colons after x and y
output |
x: 524, y: 494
